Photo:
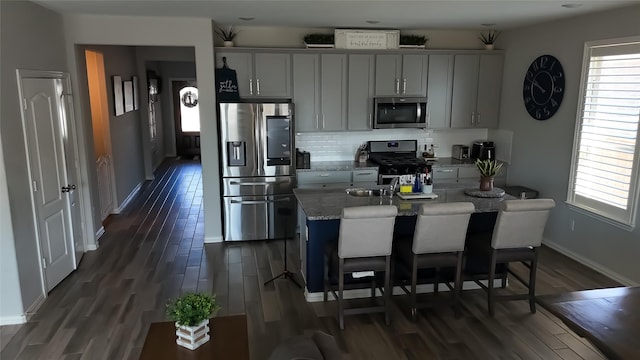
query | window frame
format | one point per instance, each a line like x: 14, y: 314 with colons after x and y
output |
x: 624, y: 219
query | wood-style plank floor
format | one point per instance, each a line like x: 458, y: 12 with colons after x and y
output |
x: 154, y: 251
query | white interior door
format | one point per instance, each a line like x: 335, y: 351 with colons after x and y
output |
x: 52, y: 193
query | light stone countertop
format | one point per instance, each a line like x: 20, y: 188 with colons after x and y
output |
x: 339, y: 166
x: 327, y: 204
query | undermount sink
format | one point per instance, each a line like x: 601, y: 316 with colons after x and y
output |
x: 363, y: 192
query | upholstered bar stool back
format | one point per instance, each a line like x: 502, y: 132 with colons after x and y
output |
x: 438, y: 242
x: 364, y: 244
x: 366, y: 231
x: 517, y: 236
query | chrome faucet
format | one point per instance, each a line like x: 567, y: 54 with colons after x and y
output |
x: 394, y: 184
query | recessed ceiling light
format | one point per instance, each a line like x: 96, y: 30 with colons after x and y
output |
x: 373, y: 21
x: 571, y: 6
x: 488, y: 24
x: 246, y: 18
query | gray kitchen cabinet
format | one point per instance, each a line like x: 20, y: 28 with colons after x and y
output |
x: 260, y: 74
x: 401, y: 75
x: 319, y: 91
x: 447, y: 174
x: 439, y: 91
x: 337, y: 178
x: 361, y: 78
x: 477, y: 81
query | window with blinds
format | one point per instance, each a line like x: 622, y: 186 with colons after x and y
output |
x: 604, y: 176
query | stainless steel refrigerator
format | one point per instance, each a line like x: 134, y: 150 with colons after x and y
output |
x: 258, y: 171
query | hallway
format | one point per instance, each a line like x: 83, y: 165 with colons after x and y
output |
x: 154, y: 251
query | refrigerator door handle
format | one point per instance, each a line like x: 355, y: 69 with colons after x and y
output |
x: 254, y: 202
x: 258, y: 183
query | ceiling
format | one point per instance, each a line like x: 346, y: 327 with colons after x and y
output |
x: 396, y: 14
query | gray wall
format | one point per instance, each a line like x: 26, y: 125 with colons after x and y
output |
x: 40, y: 46
x: 126, y: 138
x: 541, y: 153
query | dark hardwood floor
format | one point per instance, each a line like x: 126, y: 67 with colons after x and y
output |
x: 155, y: 250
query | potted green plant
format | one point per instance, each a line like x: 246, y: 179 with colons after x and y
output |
x: 191, y: 313
x: 489, y: 38
x: 488, y: 170
x: 413, y: 41
x: 227, y: 35
x: 319, y: 40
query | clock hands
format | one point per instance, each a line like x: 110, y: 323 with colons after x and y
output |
x: 535, y: 83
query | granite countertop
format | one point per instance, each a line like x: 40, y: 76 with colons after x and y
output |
x: 327, y: 204
x: 340, y: 166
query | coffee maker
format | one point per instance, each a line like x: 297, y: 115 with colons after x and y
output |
x: 483, y: 150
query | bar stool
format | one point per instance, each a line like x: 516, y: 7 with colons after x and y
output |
x: 364, y: 244
x: 517, y: 236
x: 438, y: 241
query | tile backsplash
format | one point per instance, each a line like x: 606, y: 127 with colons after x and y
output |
x: 340, y: 146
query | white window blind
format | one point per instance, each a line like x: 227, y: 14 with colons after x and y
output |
x: 605, y: 160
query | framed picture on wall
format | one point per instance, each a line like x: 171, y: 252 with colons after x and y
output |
x: 128, y: 95
x: 118, y: 99
x: 136, y: 95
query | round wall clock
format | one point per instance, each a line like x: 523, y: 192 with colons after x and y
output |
x: 543, y: 87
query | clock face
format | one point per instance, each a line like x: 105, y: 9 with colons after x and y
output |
x: 543, y: 87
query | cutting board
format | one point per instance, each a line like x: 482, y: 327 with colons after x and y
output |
x: 416, y: 196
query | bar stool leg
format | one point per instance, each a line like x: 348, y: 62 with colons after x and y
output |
x: 387, y: 290
x: 492, y: 275
x: 340, y: 294
x: 326, y: 279
x: 414, y: 280
x: 457, y: 286
x: 532, y: 281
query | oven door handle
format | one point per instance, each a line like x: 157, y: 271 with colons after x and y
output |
x: 256, y: 202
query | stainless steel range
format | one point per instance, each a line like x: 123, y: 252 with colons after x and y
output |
x: 395, y: 157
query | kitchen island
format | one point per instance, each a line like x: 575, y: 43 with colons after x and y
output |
x: 322, y: 209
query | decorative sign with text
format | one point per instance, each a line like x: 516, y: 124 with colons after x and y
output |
x: 367, y: 39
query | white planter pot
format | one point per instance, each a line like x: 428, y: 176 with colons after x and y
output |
x: 228, y: 44
x: 192, y: 337
x: 488, y: 46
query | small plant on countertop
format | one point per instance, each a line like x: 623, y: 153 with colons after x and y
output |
x: 488, y: 168
x: 191, y: 309
x: 227, y: 34
x: 413, y: 40
x: 490, y: 37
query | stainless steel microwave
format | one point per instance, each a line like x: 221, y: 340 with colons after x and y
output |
x: 400, y: 112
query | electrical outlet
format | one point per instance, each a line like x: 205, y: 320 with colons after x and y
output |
x: 573, y: 225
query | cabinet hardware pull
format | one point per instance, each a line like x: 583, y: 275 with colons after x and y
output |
x: 257, y: 183
x: 324, y: 175
x: 251, y: 86
x: 404, y: 86
x: 478, y: 119
x: 258, y: 86
x: 473, y: 115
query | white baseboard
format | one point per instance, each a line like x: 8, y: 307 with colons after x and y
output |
x: 213, y: 239
x: 126, y: 201
x: 99, y: 233
x: 13, y: 320
x: 591, y: 264
x: 397, y: 290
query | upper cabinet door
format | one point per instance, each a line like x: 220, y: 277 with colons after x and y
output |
x: 465, y: 90
x: 489, y: 90
x: 333, y: 83
x: 306, y: 91
x: 388, y: 71
x: 242, y: 63
x: 414, y: 75
x: 272, y: 75
x: 439, y: 91
x: 360, y: 92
